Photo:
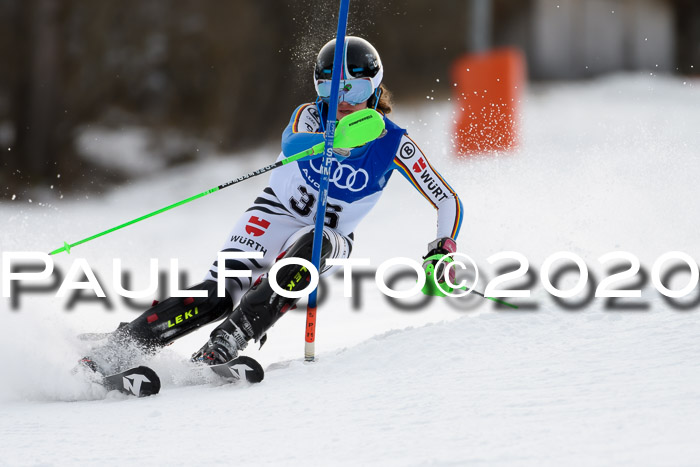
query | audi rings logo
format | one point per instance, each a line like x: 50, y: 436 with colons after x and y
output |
x: 345, y: 176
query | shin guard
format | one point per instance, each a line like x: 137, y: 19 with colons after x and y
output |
x: 261, y: 306
x: 177, y: 316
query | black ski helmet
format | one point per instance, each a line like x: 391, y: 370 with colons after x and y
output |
x: 360, y: 60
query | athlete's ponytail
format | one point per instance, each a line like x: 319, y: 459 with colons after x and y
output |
x: 384, y: 105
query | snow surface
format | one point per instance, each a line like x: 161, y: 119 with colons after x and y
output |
x: 605, y: 165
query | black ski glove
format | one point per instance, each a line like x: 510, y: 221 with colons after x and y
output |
x: 437, y: 249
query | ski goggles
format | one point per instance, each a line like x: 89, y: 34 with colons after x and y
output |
x: 353, y: 91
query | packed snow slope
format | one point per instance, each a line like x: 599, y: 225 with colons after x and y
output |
x: 604, y: 166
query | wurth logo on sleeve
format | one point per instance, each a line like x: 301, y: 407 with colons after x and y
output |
x: 419, y: 166
x: 256, y: 226
x: 433, y: 186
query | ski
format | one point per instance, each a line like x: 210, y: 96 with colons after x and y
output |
x: 140, y: 381
x: 98, y: 336
x: 93, y: 336
x: 240, y: 369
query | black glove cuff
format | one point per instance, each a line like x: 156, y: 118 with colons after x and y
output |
x: 441, y: 246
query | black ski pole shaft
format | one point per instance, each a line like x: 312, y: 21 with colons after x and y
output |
x: 354, y: 130
x: 312, y: 151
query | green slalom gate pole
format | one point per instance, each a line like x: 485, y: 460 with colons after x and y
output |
x: 355, y: 130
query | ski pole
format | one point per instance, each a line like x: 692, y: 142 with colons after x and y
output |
x: 442, y: 289
x: 67, y: 246
x: 497, y: 300
x: 441, y: 293
x: 355, y: 130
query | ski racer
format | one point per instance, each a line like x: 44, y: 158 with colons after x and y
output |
x: 280, y: 222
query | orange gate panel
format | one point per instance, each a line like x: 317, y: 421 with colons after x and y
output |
x: 487, y: 94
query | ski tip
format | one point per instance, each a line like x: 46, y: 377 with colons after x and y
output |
x: 256, y: 373
x: 242, y: 368
x: 140, y: 382
x: 92, y: 336
x: 154, y: 386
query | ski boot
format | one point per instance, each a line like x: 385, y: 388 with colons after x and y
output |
x: 225, y: 341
